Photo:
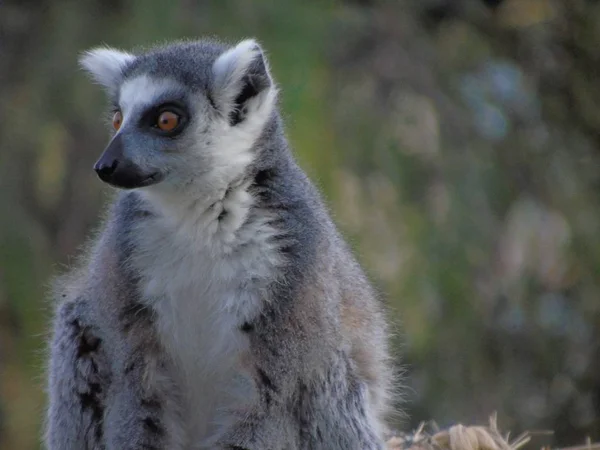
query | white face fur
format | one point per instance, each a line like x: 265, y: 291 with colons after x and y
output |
x: 210, y: 150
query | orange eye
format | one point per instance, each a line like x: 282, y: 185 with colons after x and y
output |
x: 117, y: 120
x: 167, y: 121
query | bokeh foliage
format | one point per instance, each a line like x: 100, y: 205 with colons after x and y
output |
x: 456, y: 142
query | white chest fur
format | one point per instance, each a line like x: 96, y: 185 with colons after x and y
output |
x: 205, y: 277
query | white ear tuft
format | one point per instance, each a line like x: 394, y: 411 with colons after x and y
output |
x: 241, y: 76
x: 106, y: 65
x: 231, y: 65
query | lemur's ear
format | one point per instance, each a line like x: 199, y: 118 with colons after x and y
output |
x: 106, y: 65
x: 242, y: 82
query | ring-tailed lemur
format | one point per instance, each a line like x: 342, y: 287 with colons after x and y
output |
x: 219, y: 306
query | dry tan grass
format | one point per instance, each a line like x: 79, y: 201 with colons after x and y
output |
x: 460, y: 437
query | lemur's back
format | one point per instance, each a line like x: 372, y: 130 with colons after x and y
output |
x: 219, y: 308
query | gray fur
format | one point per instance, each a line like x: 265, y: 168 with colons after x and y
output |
x: 219, y: 308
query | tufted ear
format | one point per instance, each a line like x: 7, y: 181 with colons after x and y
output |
x: 106, y: 65
x: 242, y: 82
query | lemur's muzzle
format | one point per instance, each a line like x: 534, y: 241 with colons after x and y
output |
x: 115, y: 169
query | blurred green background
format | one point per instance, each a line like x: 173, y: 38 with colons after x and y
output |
x: 457, y: 144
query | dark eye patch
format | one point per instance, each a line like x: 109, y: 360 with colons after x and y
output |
x: 149, y: 118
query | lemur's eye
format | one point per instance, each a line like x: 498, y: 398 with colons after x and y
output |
x: 167, y: 121
x: 117, y: 120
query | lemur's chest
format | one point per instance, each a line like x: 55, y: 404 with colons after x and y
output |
x: 202, y: 293
x: 205, y: 345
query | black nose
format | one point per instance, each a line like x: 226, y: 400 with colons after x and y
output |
x: 105, y: 170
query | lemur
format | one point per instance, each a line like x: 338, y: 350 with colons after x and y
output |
x: 218, y: 307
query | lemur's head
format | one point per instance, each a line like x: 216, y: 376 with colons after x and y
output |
x: 187, y: 114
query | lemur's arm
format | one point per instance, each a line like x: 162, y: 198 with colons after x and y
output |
x: 303, y: 401
x: 327, y: 413
x: 77, y: 383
